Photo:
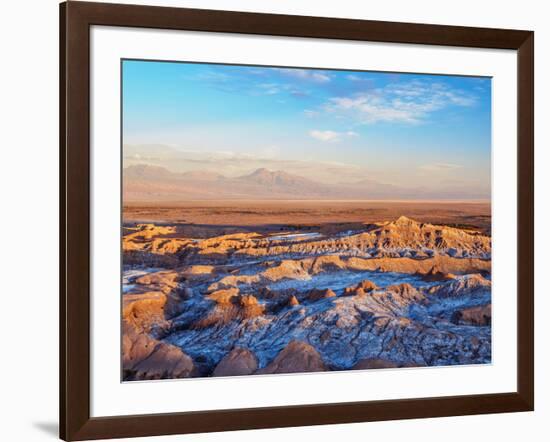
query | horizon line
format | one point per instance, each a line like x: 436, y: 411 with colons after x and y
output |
x: 267, y: 200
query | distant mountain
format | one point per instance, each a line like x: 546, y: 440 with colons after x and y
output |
x: 153, y: 183
x: 278, y: 184
x: 143, y: 182
x: 150, y: 172
x: 266, y: 177
x: 147, y: 172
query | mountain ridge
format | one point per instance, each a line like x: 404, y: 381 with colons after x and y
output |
x: 146, y: 182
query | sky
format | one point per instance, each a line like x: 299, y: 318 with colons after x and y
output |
x: 334, y: 126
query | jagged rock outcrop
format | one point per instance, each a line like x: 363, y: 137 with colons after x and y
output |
x: 147, y: 232
x: 230, y: 306
x: 399, y: 294
x: 393, y: 323
x: 296, y: 357
x: 146, y: 314
x: 303, y: 269
x: 224, y: 296
x: 164, y: 362
x: 401, y: 238
x: 317, y: 294
x: 238, y: 362
x: 435, y: 274
x: 147, y: 358
x: 479, y: 315
x: 293, y: 301
x: 405, y: 233
x: 367, y: 286
x: 461, y: 286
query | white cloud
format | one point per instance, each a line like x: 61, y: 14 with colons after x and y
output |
x: 269, y: 88
x: 277, y: 88
x: 371, y: 109
x: 306, y: 74
x: 311, y: 113
x: 325, y: 135
x: 330, y: 135
x: 402, y: 102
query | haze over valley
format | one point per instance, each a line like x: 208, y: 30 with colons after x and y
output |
x: 147, y: 183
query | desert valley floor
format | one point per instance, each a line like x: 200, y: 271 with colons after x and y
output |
x: 223, y: 289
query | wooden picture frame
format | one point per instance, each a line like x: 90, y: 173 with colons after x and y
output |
x: 76, y: 18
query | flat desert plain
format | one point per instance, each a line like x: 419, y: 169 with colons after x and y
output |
x: 225, y: 288
x: 281, y: 215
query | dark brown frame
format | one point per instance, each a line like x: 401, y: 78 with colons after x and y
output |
x: 75, y: 21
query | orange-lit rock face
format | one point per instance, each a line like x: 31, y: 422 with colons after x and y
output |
x: 480, y: 315
x: 296, y: 357
x: 237, y: 362
x: 383, y: 295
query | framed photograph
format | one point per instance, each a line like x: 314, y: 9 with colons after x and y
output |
x: 274, y: 220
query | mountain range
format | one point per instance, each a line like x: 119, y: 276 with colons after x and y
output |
x: 147, y: 183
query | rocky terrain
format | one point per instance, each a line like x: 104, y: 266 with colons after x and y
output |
x: 204, y: 302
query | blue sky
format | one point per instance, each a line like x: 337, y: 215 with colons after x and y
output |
x: 334, y: 126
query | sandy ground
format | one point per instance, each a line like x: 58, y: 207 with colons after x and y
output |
x: 272, y: 215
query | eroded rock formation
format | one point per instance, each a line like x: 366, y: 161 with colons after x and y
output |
x: 296, y: 357
x: 398, y: 294
x: 237, y: 362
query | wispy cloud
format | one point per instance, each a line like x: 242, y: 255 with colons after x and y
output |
x: 306, y: 74
x: 408, y: 102
x: 439, y: 167
x: 311, y: 113
x: 257, y: 83
x: 269, y: 88
x: 330, y: 135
